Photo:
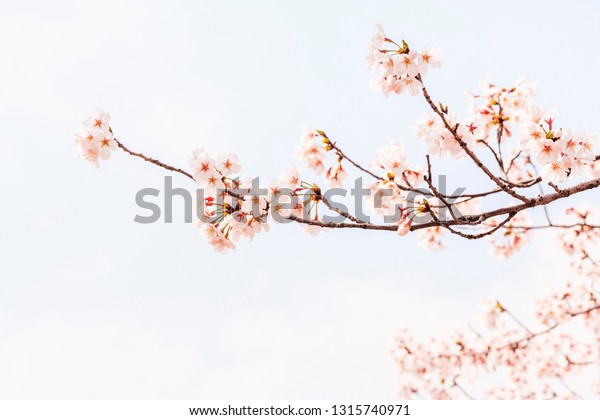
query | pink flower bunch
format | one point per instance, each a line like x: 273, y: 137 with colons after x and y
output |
x: 400, y: 67
x: 388, y: 194
x: 497, y: 107
x: 95, y: 140
x: 232, y: 209
x: 312, y: 150
x: 522, y: 363
x: 562, y: 153
x: 441, y: 142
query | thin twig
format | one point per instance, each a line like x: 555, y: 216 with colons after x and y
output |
x: 154, y: 161
x: 461, y: 389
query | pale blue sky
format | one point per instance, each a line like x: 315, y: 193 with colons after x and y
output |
x: 93, y: 305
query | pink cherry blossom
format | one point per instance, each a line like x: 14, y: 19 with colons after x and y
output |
x: 404, y: 225
x: 99, y: 121
x: 379, y: 37
x: 203, y: 165
x: 429, y: 57
x: 228, y: 164
x: 311, y: 151
x: 291, y: 178
x: 216, y: 238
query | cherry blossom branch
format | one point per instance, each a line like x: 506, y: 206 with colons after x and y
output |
x: 344, y: 156
x: 533, y: 202
x: 360, y: 224
x: 563, y: 155
x: 465, y: 220
x: 515, y: 344
x: 467, y: 150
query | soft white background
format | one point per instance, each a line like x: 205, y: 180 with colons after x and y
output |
x: 93, y: 305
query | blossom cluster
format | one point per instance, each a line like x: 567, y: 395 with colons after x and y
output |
x: 389, y: 192
x: 441, y: 142
x: 235, y: 209
x: 312, y: 150
x: 95, y: 140
x: 562, y: 153
x: 290, y: 196
x: 493, y: 110
x: 400, y: 67
x: 498, y: 108
x: 227, y: 217
x: 499, y: 112
x: 523, y: 364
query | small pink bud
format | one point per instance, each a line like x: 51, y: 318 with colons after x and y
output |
x: 404, y: 228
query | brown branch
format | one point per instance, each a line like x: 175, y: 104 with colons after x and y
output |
x: 465, y: 220
x: 436, y: 193
x: 483, y: 234
x: 534, y: 202
x: 343, y: 225
x: 341, y: 212
x: 499, y: 138
x: 154, y: 161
